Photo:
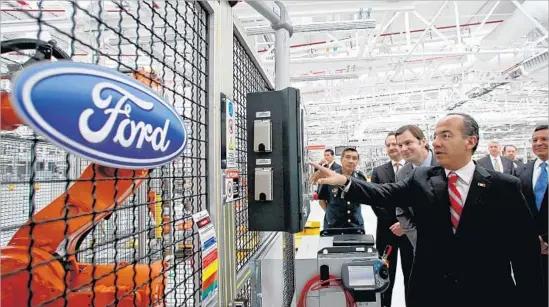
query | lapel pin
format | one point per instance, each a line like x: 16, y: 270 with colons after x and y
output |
x: 480, y: 184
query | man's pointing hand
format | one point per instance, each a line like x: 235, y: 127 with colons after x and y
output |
x: 325, y: 175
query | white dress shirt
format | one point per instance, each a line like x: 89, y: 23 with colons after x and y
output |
x: 497, y: 160
x: 400, y: 165
x: 537, y: 171
x: 465, y: 176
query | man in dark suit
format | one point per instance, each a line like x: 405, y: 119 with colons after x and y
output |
x: 495, y: 162
x: 328, y: 162
x: 533, y: 176
x: 388, y: 230
x: 510, y: 152
x: 415, y: 150
x: 464, y: 256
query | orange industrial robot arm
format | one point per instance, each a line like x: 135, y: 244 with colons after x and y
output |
x: 51, y: 236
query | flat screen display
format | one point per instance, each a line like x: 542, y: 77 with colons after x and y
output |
x: 361, y: 276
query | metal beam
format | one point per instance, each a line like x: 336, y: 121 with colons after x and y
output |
x: 330, y: 8
x: 343, y: 61
x: 430, y: 25
x: 407, y: 26
x: 458, y: 31
x: 486, y: 18
x: 381, y: 31
x: 533, y: 20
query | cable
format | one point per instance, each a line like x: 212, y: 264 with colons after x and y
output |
x: 315, y: 284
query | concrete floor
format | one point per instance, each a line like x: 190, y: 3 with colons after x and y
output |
x: 370, y: 221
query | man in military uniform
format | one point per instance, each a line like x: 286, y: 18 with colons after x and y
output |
x: 339, y: 212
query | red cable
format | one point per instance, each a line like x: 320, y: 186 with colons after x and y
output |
x: 310, y: 286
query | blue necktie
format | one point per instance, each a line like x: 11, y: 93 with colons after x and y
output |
x: 541, y: 185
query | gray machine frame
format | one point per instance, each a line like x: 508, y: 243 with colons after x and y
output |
x: 310, y: 258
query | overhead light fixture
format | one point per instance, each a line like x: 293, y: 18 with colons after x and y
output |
x: 323, y: 77
x: 330, y: 26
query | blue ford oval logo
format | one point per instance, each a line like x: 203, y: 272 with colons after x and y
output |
x: 99, y: 114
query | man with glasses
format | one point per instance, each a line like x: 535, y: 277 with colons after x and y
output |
x: 533, y: 176
x: 477, y: 244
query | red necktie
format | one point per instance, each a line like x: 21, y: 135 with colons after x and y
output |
x: 456, y: 203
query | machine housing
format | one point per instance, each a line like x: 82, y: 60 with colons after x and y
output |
x: 278, y: 189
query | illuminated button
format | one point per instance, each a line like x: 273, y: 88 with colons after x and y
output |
x: 348, y: 211
x: 348, y: 203
x: 349, y: 220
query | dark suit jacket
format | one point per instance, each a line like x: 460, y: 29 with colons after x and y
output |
x: 334, y: 166
x: 473, y: 266
x: 517, y: 164
x: 385, y: 218
x: 508, y: 166
x: 525, y: 175
x: 406, y: 215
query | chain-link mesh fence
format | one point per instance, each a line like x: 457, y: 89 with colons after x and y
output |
x: 74, y: 233
x: 247, y: 78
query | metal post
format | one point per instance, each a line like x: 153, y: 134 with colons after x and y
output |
x: 282, y: 59
x: 142, y: 198
x: 283, y: 32
x: 282, y: 80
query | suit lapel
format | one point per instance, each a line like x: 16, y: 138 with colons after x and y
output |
x: 390, y: 172
x: 439, y: 187
x: 479, y: 186
x: 526, y: 178
x: 489, y: 164
x: 529, y: 172
x: 507, y: 166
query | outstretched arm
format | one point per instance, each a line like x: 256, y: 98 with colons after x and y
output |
x: 382, y: 195
x: 379, y: 212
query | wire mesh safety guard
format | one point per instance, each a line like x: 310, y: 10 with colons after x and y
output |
x: 142, y: 249
x: 247, y: 78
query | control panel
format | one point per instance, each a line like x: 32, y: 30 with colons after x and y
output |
x: 277, y: 164
x: 368, y: 275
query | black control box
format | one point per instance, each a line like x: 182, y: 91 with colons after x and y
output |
x: 277, y: 162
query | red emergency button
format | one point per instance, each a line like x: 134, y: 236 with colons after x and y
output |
x: 315, y: 196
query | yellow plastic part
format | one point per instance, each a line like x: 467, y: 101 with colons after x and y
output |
x: 158, y: 217
x: 312, y: 224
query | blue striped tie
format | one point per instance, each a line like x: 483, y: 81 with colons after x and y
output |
x: 541, y: 185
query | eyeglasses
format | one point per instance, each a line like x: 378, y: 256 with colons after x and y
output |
x: 443, y: 136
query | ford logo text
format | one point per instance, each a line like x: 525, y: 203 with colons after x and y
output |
x: 99, y: 114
